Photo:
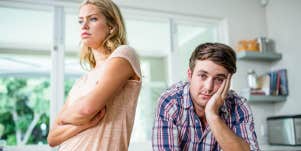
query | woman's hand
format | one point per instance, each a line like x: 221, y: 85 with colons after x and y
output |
x: 62, y: 132
x: 98, y: 117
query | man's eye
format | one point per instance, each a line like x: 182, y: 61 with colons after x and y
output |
x: 219, y: 80
x: 203, y: 76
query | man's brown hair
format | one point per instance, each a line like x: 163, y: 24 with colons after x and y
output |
x: 218, y: 53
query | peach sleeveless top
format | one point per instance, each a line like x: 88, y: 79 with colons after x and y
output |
x: 114, y: 130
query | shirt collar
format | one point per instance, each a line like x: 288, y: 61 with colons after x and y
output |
x: 187, y: 101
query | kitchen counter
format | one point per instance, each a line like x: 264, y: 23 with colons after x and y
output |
x: 279, y: 148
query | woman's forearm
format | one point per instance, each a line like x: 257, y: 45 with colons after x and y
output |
x: 76, y: 116
x: 61, y: 133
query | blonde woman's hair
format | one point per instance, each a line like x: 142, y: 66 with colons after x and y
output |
x: 117, y: 34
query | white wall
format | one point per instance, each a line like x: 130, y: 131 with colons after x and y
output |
x: 245, y: 17
x: 283, y: 18
x: 284, y: 26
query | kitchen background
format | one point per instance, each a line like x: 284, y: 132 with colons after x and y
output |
x: 164, y: 32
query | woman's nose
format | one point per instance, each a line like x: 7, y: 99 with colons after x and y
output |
x: 84, y: 25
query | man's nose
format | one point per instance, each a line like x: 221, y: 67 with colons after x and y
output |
x: 209, y: 85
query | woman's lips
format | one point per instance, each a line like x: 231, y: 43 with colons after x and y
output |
x: 85, y: 35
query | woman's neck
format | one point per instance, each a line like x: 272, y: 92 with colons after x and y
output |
x: 100, y: 56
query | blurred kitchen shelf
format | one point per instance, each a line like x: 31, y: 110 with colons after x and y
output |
x: 263, y: 56
x: 263, y: 98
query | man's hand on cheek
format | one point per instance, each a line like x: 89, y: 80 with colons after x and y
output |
x: 217, y: 100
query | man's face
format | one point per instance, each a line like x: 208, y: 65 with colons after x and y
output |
x: 205, y: 80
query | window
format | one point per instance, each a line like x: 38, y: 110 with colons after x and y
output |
x: 26, y: 29
x: 154, y: 82
x: 189, y: 35
x: 155, y: 40
x: 72, y: 33
x: 73, y: 70
x: 24, y: 99
x: 153, y: 48
x: 24, y: 75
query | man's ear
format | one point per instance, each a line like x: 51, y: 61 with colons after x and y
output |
x: 189, y: 74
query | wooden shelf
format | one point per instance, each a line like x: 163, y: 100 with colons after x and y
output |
x: 264, y: 56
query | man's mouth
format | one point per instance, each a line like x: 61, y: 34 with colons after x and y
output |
x: 205, y: 96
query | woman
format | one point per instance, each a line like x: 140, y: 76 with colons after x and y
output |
x: 99, y: 112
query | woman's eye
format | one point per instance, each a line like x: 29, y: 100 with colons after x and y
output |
x: 93, y: 19
x: 80, y: 22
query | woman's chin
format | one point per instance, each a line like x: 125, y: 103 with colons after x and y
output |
x: 91, y: 45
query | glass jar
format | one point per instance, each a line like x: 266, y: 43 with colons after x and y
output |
x: 252, y: 79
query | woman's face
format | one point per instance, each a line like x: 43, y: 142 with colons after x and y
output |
x: 94, y: 28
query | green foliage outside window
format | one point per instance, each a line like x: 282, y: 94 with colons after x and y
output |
x: 24, y: 109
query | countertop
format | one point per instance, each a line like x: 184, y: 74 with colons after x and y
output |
x: 279, y: 148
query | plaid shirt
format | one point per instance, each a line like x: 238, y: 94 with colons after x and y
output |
x: 177, y: 126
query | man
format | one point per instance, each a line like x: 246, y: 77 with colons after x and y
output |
x: 202, y: 114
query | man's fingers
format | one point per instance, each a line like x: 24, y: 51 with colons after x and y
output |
x: 227, y: 86
x: 221, y: 89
